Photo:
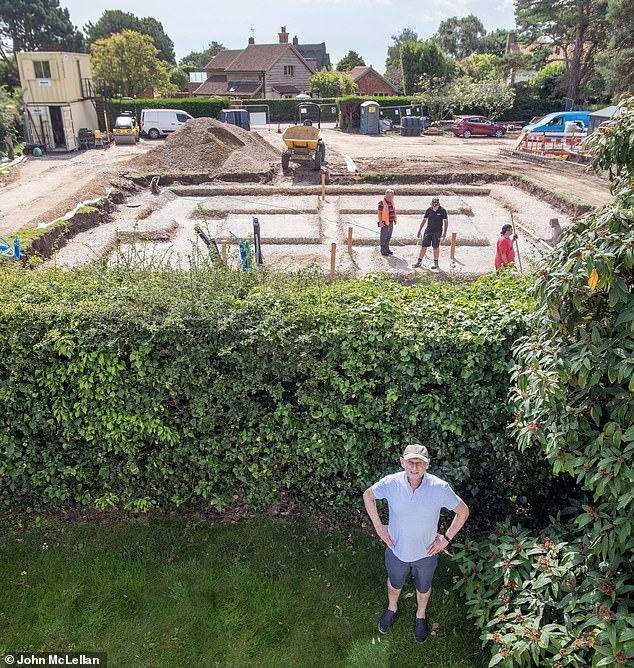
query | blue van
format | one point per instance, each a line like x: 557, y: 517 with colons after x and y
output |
x: 554, y: 124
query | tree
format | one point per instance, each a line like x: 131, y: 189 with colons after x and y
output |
x: 129, y: 64
x: 577, y: 27
x: 114, y: 21
x: 10, y: 117
x: 36, y: 25
x: 616, y: 63
x: 179, y: 76
x: 438, y: 96
x: 460, y: 37
x: 200, y: 58
x: 548, y: 83
x: 427, y: 58
x: 350, y: 60
x: 481, y: 66
x: 332, y: 84
x: 494, y: 42
x: 492, y: 96
x: 407, y: 35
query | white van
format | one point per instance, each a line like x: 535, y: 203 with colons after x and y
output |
x: 157, y: 123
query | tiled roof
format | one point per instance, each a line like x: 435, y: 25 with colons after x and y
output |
x: 257, y: 58
x: 222, y: 59
x: 357, y: 72
x: 315, y: 52
x: 242, y: 87
x: 220, y: 86
x: 285, y: 88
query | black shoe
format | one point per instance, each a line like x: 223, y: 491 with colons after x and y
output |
x: 387, y: 618
x: 418, y: 265
x: 385, y: 254
x: 420, y: 630
x: 390, y: 253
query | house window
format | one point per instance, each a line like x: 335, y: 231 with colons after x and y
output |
x: 289, y: 70
x: 42, y: 69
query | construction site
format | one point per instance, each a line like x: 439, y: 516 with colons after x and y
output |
x: 147, y: 197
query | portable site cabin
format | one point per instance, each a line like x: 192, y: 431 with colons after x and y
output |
x: 58, y: 98
x: 600, y: 116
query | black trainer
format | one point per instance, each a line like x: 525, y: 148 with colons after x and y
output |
x: 417, y: 265
x: 387, y: 618
x: 421, y: 631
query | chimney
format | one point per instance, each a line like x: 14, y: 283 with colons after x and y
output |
x: 251, y: 40
x: 283, y: 35
x: 295, y: 41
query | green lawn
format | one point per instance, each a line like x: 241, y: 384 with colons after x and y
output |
x: 184, y: 592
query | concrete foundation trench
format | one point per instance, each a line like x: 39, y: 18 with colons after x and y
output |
x: 298, y: 226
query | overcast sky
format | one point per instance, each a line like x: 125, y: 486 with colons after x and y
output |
x: 365, y: 26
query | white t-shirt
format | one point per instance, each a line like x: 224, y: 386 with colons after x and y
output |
x: 414, y: 514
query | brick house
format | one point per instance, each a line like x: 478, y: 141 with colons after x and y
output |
x: 261, y: 71
x: 371, y: 83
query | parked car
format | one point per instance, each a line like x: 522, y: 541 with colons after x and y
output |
x: 157, y: 123
x: 555, y: 124
x: 467, y: 126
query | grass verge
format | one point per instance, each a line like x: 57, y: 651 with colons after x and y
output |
x: 266, y: 593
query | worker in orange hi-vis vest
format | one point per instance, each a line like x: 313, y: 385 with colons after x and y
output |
x: 387, y: 220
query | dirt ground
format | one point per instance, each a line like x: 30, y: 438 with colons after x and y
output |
x: 298, y: 227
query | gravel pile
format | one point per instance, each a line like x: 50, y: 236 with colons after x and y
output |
x: 207, y: 146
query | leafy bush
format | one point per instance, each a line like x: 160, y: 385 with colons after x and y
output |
x: 195, y: 106
x: 146, y: 388
x: 574, y: 397
x: 544, y: 600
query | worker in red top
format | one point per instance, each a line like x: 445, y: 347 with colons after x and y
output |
x: 504, y: 253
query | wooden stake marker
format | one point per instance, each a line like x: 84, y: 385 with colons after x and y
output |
x: 333, y: 258
x: 454, y: 236
x: 349, y: 240
x: 323, y: 186
x: 223, y: 246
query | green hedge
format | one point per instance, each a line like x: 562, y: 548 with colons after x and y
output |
x: 195, y: 106
x: 142, y: 389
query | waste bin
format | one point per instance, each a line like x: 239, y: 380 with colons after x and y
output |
x: 411, y: 126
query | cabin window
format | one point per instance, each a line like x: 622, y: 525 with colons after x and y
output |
x: 42, y: 69
x: 289, y: 70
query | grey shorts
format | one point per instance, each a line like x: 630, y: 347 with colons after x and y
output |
x: 422, y: 570
x: 431, y: 239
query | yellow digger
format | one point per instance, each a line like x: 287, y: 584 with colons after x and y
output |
x: 304, y: 142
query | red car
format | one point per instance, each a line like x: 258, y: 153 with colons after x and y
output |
x: 467, y: 126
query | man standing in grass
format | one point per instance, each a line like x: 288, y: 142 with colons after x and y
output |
x: 414, y: 499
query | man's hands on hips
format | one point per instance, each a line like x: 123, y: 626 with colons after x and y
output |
x: 384, y: 535
x: 439, y: 544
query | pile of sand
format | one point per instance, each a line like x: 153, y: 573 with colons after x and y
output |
x: 207, y: 146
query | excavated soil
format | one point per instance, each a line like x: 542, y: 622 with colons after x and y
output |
x: 207, y: 146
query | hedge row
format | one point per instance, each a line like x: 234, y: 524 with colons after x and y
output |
x: 143, y: 389
x: 281, y: 111
x: 195, y: 106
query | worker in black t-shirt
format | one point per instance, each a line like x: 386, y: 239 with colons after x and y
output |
x: 437, y: 223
